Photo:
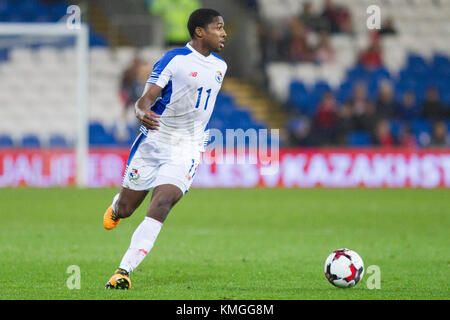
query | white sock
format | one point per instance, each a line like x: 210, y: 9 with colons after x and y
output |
x: 141, y: 243
x: 116, y: 198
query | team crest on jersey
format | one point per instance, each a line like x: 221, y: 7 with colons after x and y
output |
x: 134, y: 174
x: 219, y: 76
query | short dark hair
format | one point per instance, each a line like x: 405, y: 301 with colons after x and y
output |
x: 201, y: 18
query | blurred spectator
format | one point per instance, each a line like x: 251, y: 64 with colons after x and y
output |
x: 364, y: 112
x: 407, y: 109
x: 252, y: 5
x: 440, y: 136
x: 337, y: 18
x: 324, y: 51
x: 345, y: 123
x: 326, y: 120
x: 273, y: 44
x: 299, y: 42
x: 386, y: 105
x: 306, y: 38
x: 406, y: 137
x: 133, y: 81
x: 143, y: 72
x: 132, y: 86
x: 174, y: 14
x: 372, y: 56
x: 311, y: 19
x: 367, y: 120
x: 299, y: 130
x: 382, y: 135
x: 387, y: 27
x: 299, y: 48
x: 432, y: 108
x: 359, y: 99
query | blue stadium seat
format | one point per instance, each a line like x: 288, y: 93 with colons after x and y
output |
x: 42, y: 17
x: 58, y: 141
x: 380, y: 73
x: 417, y: 75
x: 311, y: 103
x: 4, y: 16
x: 36, y: 11
x: 4, y: 54
x: 416, y: 64
x: 32, y: 5
x: 224, y: 106
x: 321, y: 87
x: 30, y: 141
x: 99, y: 137
x: 448, y: 124
x: 97, y: 40
x: 359, y: 139
x: 419, y: 126
x: 57, y: 11
x: 407, y: 83
x: 224, y: 98
x: 14, y: 17
x: 6, y: 141
x: 344, y: 92
x: 440, y: 65
x: 396, y: 126
x: 357, y: 73
x: 297, y: 94
x: 445, y: 96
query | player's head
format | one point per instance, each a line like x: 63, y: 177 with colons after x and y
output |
x: 208, y: 26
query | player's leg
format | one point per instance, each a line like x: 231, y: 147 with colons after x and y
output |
x: 164, y: 197
x: 172, y: 180
x: 123, y: 206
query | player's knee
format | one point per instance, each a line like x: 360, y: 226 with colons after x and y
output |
x: 124, y: 210
x: 163, y: 200
x: 167, y: 197
x: 161, y: 206
x: 164, y: 204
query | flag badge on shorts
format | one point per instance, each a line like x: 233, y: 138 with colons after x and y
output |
x: 134, y: 174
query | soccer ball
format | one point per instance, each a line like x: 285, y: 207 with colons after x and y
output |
x: 344, y: 268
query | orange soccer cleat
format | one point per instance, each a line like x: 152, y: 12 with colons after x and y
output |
x: 110, y: 219
x: 119, y: 280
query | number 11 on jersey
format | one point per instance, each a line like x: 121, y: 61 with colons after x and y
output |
x: 200, y: 90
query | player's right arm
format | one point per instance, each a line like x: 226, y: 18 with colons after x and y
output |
x: 146, y: 116
x: 162, y: 73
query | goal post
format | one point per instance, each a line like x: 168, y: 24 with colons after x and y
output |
x: 81, y: 35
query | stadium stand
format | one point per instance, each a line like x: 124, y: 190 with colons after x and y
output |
x: 413, y: 59
x: 48, y: 66
x: 408, y: 53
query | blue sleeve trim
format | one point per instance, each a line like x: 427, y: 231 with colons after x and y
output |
x: 217, y: 56
x: 162, y: 63
x: 160, y: 104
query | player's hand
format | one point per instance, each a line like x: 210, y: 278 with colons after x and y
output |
x: 150, y: 120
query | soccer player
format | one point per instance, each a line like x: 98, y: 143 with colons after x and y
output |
x: 174, y: 111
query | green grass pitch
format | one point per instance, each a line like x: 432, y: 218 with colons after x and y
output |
x: 216, y: 244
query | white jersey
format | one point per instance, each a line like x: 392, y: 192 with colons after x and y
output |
x: 190, y: 83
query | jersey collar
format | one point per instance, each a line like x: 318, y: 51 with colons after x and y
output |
x: 196, y: 52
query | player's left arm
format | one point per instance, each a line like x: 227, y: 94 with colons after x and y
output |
x: 145, y: 115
